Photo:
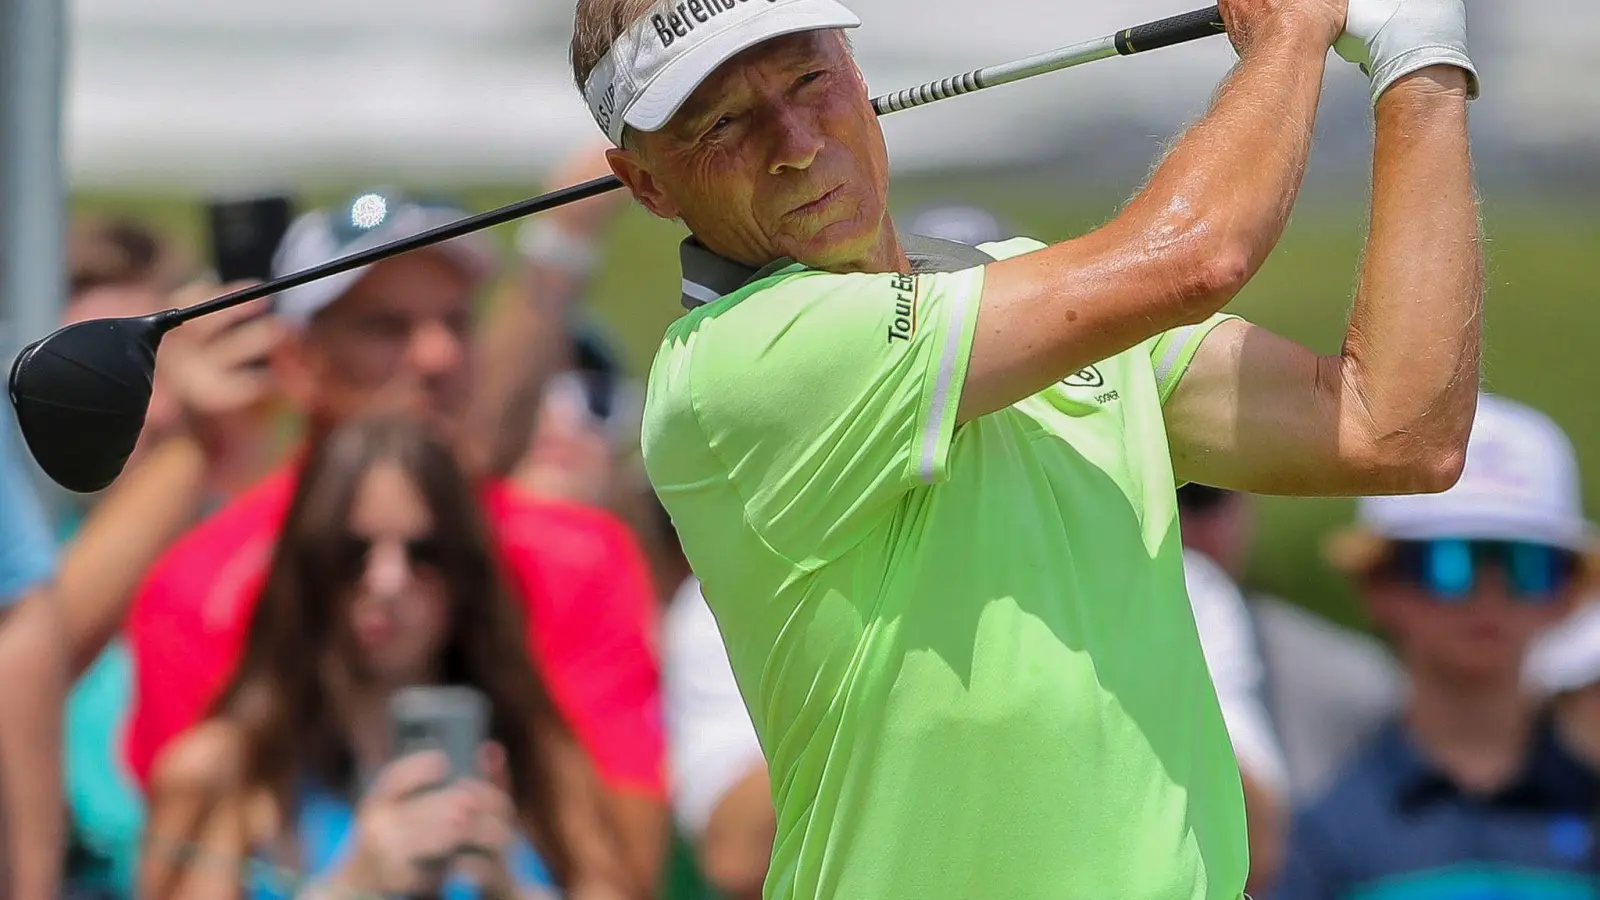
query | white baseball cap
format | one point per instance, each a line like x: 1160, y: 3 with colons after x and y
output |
x: 1520, y: 483
x: 367, y: 220
x: 660, y: 59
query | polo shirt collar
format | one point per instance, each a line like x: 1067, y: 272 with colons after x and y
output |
x: 1551, y: 777
x: 708, y: 277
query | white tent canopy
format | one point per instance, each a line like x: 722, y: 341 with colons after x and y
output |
x: 210, y: 94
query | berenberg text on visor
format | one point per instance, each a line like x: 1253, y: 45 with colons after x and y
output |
x: 685, y: 15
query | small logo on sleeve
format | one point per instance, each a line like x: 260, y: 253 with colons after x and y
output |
x: 904, y: 324
x: 1088, y: 377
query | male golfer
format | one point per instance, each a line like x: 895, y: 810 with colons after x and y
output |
x: 930, y: 491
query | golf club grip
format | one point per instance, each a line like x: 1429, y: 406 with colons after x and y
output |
x: 1191, y: 26
x: 460, y: 228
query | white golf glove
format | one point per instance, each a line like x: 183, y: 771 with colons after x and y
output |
x: 1389, y: 39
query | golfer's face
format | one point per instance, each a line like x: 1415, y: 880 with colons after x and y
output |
x: 778, y: 154
x: 399, y: 339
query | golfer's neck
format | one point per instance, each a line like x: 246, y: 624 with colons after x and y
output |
x: 887, y: 256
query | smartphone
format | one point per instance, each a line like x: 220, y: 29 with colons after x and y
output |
x: 452, y: 719
x: 245, y: 234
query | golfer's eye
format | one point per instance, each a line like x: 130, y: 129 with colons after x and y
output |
x: 721, y: 125
x: 809, y: 77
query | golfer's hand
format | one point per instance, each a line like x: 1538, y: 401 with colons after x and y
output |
x: 1390, y: 39
x: 215, y: 367
x: 409, y: 828
x: 1252, y: 21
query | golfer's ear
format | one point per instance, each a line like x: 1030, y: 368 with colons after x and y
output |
x: 636, y: 176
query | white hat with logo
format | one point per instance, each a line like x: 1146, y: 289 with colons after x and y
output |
x: 1520, y: 483
x: 660, y: 59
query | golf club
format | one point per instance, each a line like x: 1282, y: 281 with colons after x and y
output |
x: 81, y: 393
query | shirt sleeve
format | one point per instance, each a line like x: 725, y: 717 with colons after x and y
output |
x: 1227, y: 640
x: 712, y: 743
x: 827, y: 397
x: 27, y: 550
x: 1172, y: 351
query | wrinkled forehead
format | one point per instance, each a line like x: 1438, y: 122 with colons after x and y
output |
x: 780, y: 54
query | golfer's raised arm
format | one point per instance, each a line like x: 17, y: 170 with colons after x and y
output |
x: 1391, y: 411
x: 1188, y: 242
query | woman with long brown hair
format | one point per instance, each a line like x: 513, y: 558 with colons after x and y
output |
x: 383, y: 578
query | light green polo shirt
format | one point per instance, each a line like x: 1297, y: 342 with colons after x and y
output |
x: 968, y: 652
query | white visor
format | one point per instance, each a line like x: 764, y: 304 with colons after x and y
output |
x: 663, y: 56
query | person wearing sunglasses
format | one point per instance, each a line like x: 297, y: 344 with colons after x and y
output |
x: 1470, y: 791
x: 385, y: 576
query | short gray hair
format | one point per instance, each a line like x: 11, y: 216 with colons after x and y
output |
x: 595, y: 27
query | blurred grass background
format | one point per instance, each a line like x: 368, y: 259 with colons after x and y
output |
x: 1542, y: 307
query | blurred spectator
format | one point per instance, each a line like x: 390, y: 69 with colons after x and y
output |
x: 33, y: 672
x: 532, y: 333
x: 586, y: 422
x: 116, y: 268
x: 1326, y: 688
x: 383, y: 578
x: 1564, y: 665
x: 120, y: 267
x: 1468, y: 792
x: 396, y: 335
x: 210, y: 369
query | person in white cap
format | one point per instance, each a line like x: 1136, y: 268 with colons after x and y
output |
x: 929, y: 489
x: 1470, y: 790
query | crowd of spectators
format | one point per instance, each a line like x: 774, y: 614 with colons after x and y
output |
x: 425, y: 472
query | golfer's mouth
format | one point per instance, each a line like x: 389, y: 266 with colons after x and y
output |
x: 819, y: 204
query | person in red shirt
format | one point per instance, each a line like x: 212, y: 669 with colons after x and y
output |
x: 396, y: 335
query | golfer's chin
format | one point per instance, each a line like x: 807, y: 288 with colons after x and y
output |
x: 848, y: 244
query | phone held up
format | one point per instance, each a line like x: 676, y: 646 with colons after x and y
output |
x: 244, y: 237
x: 245, y: 234
x: 454, y: 720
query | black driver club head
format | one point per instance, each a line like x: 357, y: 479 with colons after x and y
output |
x: 81, y: 394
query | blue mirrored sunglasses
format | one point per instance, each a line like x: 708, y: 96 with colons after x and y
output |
x: 1449, y: 569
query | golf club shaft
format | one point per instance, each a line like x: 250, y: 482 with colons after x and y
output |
x: 1150, y: 36
x: 1154, y: 35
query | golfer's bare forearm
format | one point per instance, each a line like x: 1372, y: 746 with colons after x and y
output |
x: 1236, y: 174
x: 1181, y: 249
x: 144, y: 511
x: 1410, y: 361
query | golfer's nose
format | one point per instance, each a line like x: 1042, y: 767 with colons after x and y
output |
x: 796, y: 141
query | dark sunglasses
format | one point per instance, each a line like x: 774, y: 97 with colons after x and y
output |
x: 355, y: 550
x: 1448, y: 569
